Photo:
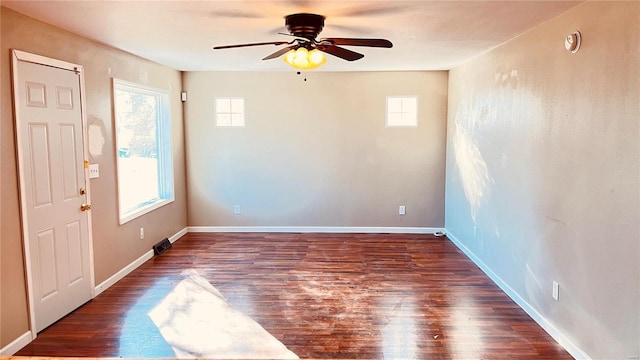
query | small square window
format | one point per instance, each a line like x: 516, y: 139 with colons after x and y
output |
x: 402, y: 111
x: 229, y: 112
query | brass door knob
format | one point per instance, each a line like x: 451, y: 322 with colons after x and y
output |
x: 85, y: 207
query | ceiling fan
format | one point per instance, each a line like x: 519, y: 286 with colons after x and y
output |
x: 305, y: 51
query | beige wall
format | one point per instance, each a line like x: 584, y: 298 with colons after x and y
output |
x: 316, y: 153
x: 543, y: 158
x: 114, y: 246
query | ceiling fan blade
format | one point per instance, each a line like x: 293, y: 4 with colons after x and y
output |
x: 359, y: 42
x: 252, y: 44
x: 340, y: 52
x: 235, y: 14
x: 371, y: 10
x: 280, y: 52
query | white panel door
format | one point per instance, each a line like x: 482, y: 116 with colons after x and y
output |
x: 51, y: 156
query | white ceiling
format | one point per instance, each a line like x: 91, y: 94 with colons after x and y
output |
x: 427, y: 35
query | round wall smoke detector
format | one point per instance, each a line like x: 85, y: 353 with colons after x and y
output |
x: 572, y: 42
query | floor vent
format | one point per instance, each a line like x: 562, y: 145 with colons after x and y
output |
x: 161, y: 247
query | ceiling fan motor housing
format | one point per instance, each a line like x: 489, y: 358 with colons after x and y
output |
x: 305, y: 25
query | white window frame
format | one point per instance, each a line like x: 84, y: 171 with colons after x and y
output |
x: 402, y: 113
x: 164, y: 150
x: 218, y: 112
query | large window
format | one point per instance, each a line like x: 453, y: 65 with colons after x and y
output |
x: 402, y: 111
x: 143, y: 142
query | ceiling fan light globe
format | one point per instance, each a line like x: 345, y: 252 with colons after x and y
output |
x: 301, y: 63
x: 303, y: 59
x: 289, y: 56
x: 317, y: 57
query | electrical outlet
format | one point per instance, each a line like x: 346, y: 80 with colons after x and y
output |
x: 236, y: 209
x: 556, y: 291
x: 141, y: 233
x: 475, y: 232
x: 402, y: 210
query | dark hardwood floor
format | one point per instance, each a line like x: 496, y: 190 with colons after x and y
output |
x: 392, y: 296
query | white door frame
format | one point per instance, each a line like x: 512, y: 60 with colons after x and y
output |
x: 17, y: 56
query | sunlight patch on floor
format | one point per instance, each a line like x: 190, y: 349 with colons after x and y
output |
x: 196, y: 321
x: 400, y: 333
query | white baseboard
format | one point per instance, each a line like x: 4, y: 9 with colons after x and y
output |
x: 316, y: 229
x: 122, y: 273
x: 134, y: 265
x: 546, y: 325
x: 178, y: 235
x: 17, y: 344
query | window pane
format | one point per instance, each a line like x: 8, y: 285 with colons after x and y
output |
x: 409, y: 119
x: 223, y: 106
x: 394, y: 104
x: 141, y: 182
x: 394, y: 119
x: 237, y: 119
x: 223, y: 120
x: 237, y: 106
x: 409, y: 105
x: 144, y: 149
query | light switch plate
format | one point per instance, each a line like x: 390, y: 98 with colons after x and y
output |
x: 94, y: 171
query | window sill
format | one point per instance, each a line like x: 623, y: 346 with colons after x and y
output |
x: 144, y: 210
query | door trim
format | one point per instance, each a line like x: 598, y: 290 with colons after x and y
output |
x: 17, y: 56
